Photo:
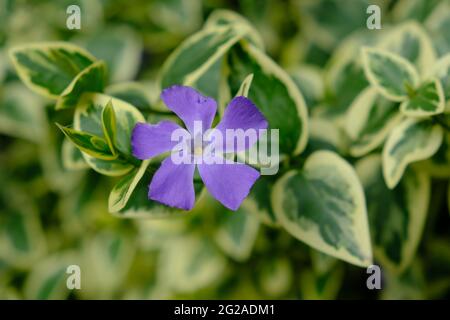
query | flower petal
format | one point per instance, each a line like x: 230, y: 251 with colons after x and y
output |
x: 241, y: 113
x: 189, y: 105
x: 173, y: 185
x: 149, y: 140
x: 228, y: 182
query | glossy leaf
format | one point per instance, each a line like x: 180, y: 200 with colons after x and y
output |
x: 48, y: 68
x: 92, y: 145
x: 190, y: 263
x: 428, y: 99
x: 87, y: 118
x: 391, y: 74
x: 323, y: 205
x: 236, y: 233
x: 275, y: 94
x: 411, y: 141
x: 91, y: 79
x: 369, y: 120
x: 396, y: 217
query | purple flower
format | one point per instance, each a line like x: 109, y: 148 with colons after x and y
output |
x: 172, y: 184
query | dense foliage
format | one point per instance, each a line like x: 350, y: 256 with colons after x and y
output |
x: 364, y: 122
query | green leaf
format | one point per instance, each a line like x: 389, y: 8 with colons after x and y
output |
x: 177, y: 16
x: 275, y: 276
x: 439, y: 164
x: 410, y: 41
x: 122, y: 191
x: 139, y: 205
x: 109, y: 126
x: 369, y: 120
x: 92, y: 145
x: 222, y: 17
x: 274, y: 93
x: 437, y: 24
x: 344, y: 76
x: 321, y: 287
x: 88, y: 114
x: 309, y: 81
x: 47, y: 279
x: 325, y: 134
x: 22, y: 240
x: 323, y: 205
x: 197, y: 54
x: 391, y: 74
x: 134, y: 93
x: 441, y: 70
x: 412, y: 140
x: 121, y: 49
x: 48, y: 68
x: 91, y: 79
x: 22, y: 115
x: 72, y: 158
x: 428, y: 99
x: 236, y: 232
x: 107, y: 258
x: 396, y: 217
x: 410, y: 285
x: 189, y: 263
x: 245, y: 86
x: 259, y: 203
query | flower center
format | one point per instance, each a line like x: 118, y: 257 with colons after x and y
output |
x: 198, y: 150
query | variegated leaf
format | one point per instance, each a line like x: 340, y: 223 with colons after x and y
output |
x: 134, y: 93
x: 176, y: 16
x: 411, y: 41
x: 122, y: 191
x: 412, y: 140
x: 107, y: 257
x: 189, y: 263
x: 344, y: 75
x: 22, y: 240
x: 87, y: 118
x: 369, y: 120
x: 275, y: 276
x: 392, y: 75
x: 437, y: 24
x: 323, y: 205
x: 138, y: 205
x: 197, y: 54
x: 259, y: 203
x: 439, y: 164
x: 72, y: 158
x: 441, y: 70
x: 275, y: 94
x: 21, y: 114
x: 120, y: 48
x: 91, y: 79
x: 48, y: 278
x: 321, y: 287
x: 109, y: 126
x: 309, y: 80
x: 222, y: 17
x: 92, y: 145
x: 48, y: 68
x: 325, y: 134
x: 428, y: 99
x: 236, y: 232
x: 396, y: 217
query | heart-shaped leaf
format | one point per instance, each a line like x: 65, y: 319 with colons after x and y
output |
x: 323, y: 205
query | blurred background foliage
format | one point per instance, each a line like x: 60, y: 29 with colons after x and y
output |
x: 52, y: 217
